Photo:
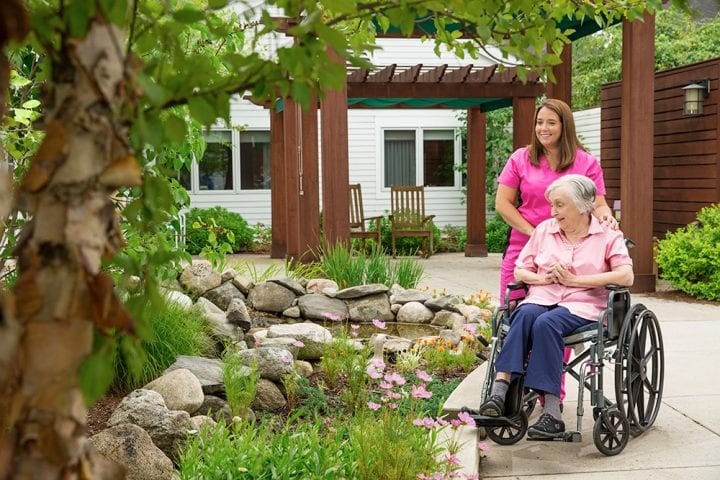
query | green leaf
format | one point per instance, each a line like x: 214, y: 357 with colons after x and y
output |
x: 188, y: 15
x: 217, y: 3
x: 17, y: 80
x: 202, y: 110
x: 212, y: 238
x: 31, y: 104
x: 155, y: 93
x: 175, y: 129
x: 79, y: 13
x: 97, y: 372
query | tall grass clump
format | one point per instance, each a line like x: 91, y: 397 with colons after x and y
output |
x: 349, y: 268
x: 241, y: 383
x: 174, y: 330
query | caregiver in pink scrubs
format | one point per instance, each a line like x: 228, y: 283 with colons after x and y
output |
x: 520, y: 200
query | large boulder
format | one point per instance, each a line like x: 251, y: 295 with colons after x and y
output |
x: 237, y: 314
x: 216, y: 408
x: 223, y: 295
x: 369, y: 308
x: 313, y: 336
x: 199, y: 277
x: 180, y: 389
x: 146, y: 409
x: 269, y: 398
x: 207, y: 370
x: 132, y: 447
x: 414, y: 312
x: 361, y: 291
x: 271, y: 297
x: 320, y: 307
x: 272, y: 363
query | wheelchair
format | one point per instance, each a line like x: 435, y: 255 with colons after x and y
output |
x: 626, y: 336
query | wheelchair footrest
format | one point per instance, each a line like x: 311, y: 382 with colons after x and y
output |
x: 573, y: 437
x: 485, y: 421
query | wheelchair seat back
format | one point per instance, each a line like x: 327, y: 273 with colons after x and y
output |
x: 618, y: 305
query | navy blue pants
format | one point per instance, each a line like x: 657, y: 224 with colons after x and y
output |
x: 540, y: 329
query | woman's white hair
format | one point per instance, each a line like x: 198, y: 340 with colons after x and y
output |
x: 581, y: 189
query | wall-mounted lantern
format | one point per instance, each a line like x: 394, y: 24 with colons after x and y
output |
x: 695, y: 95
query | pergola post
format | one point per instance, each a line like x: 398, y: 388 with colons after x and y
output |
x: 309, y: 189
x: 278, y: 192
x: 523, y: 118
x: 636, y: 145
x: 562, y: 88
x: 335, y: 169
x: 476, y: 245
x: 291, y: 124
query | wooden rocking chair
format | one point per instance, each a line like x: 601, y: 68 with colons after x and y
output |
x: 407, y: 217
x: 358, y: 218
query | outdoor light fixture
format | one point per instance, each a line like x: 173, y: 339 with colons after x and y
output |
x: 695, y: 94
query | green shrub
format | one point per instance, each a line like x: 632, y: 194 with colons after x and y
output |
x: 453, y: 239
x: 496, y: 234
x: 689, y: 258
x: 404, y: 245
x: 174, y: 331
x: 220, y: 221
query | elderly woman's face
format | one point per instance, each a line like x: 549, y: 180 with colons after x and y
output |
x: 564, y: 209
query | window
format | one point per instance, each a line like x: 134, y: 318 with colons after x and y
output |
x: 399, y: 157
x: 430, y: 162
x: 255, y: 160
x: 215, y: 169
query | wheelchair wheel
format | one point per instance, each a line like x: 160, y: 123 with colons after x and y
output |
x: 639, y: 369
x: 509, y: 435
x: 611, y: 432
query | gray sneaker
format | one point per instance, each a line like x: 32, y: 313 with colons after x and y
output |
x: 546, y: 427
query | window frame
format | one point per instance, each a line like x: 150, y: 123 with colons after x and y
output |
x: 419, y: 150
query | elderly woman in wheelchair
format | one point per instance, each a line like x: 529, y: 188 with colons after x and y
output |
x: 565, y: 268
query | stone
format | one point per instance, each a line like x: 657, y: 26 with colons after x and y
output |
x: 269, y: 398
x: 202, y: 422
x: 286, y: 343
x: 206, y: 306
x: 446, y: 302
x: 303, y: 368
x: 223, y: 330
x: 395, y: 308
x: 243, y: 283
x: 131, y: 446
x: 178, y: 298
x: 360, y: 291
x: 451, y: 336
x: 217, y: 408
x: 237, y: 314
x: 228, y: 275
x: 414, y: 312
x: 208, y: 371
x: 290, y: 284
x: 369, y: 308
x: 180, y: 389
x: 146, y: 409
x: 313, y: 336
x: 223, y: 295
x: 292, y: 312
x: 409, y: 295
x: 199, y: 277
x: 318, y: 285
x: 271, y: 297
x: 272, y: 363
x: 396, y: 345
x: 320, y: 307
x: 445, y: 318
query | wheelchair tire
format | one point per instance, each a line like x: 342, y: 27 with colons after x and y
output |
x: 509, y: 435
x: 639, y: 369
x: 611, y: 432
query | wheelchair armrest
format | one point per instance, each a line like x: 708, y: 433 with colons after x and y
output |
x: 615, y: 288
x: 516, y: 285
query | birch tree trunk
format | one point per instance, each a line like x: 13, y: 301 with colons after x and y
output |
x: 61, y: 294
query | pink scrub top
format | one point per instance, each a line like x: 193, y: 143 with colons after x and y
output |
x: 532, y: 181
x: 601, y: 251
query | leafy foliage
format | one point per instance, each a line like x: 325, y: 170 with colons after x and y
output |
x: 689, y: 258
x: 217, y: 226
x: 496, y: 234
x: 404, y: 245
x: 680, y: 39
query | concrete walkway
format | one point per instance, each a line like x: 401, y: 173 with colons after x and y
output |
x: 684, y: 442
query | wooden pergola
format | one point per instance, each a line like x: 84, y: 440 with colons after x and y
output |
x: 294, y: 145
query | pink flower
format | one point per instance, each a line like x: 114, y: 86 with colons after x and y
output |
x: 452, y: 459
x: 287, y: 360
x: 379, y: 324
x: 331, y: 316
x: 394, y: 395
x: 470, y: 328
x: 418, y: 391
x: 373, y: 372
x: 423, y: 375
x: 483, y: 446
x: 466, y: 418
x: 378, y: 363
x: 455, y: 423
x: 392, y: 405
x: 386, y: 385
x: 354, y: 330
x: 373, y: 406
x: 395, y: 378
x: 472, y: 476
x: 299, y: 344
